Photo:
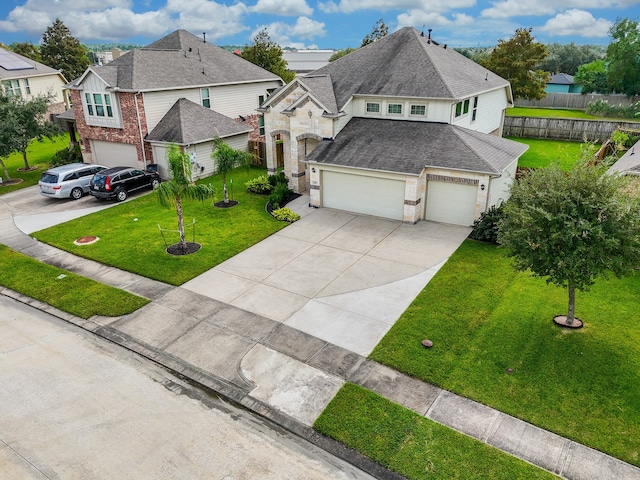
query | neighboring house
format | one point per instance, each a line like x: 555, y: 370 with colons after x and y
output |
x: 178, y: 89
x: 402, y: 128
x: 629, y: 163
x: 562, y: 83
x: 305, y: 61
x: 27, y: 78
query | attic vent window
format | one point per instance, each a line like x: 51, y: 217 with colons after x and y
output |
x: 420, y: 110
x: 394, y: 109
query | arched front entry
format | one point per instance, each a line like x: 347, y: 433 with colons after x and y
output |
x: 305, y: 143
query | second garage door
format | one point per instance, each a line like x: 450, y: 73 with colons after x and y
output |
x: 381, y: 197
x: 113, y: 154
x: 451, y: 202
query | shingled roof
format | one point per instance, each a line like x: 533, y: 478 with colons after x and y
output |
x: 180, y: 59
x: 187, y: 122
x: 408, y: 64
x: 404, y: 146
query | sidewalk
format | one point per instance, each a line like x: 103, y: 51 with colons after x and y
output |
x: 288, y: 375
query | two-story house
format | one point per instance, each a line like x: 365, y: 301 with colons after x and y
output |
x: 402, y: 128
x: 23, y: 77
x: 179, y: 89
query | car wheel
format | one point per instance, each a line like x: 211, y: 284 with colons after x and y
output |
x: 76, y: 193
x: 121, y: 195
x: 154, y: 183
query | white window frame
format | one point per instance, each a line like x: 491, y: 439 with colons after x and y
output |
x: 416, y: 106
x: 474, y: 110
x: 12, y: 88
x: 98, y: 105
x: 205, y: 97
x: 27, y: 87
x: 392, y: 105
x: 375, y: 107
x: 462, y: 108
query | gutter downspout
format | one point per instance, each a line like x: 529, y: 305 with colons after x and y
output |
x: 144, y: 155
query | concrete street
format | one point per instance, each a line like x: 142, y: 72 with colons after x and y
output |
x: 75, y: 406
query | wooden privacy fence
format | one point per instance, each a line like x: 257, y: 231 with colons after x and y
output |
x: 564, y: 128
x: 575, y: 101
x: 259, y: 149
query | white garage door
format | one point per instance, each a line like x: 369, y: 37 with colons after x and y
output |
x: 381, y: 197
x: 451, y: 202
x: 113, y: 154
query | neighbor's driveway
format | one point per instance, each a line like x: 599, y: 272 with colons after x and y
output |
x: 341, y: 277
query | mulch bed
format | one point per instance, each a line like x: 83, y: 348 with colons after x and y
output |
x: 178, y: 249
x: 561, y: 320
x: 223, y: 204
x: 13, y: 181
x: 292, y: 196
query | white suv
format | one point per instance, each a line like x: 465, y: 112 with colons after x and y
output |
x: 68, y: 181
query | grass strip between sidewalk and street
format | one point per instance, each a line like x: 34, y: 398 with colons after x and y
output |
x: 412, y: 445
x: 64, y: 290
x: 494, y: 341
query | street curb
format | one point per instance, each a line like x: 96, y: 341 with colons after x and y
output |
x: 211, y: 384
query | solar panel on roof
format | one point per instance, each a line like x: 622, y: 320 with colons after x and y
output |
x: 10, y: 61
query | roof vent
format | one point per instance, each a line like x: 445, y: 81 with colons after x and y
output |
x: 430, y: 30
x: 204, y: 37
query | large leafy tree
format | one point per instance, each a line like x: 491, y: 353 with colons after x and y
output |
x: 27, y: 49
x: 267, y: 54
x: 8, y: 140
x: 62, y: 51
x: 226, y: 158
x: 593, y: 77
x: 380, y: 30
x: 23, y: 120
x: 623, y: 55
x: 572, y: 227
x: 516, y: 60
x: 180, y: 186
x: 567, y: 58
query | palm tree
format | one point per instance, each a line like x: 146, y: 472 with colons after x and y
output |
x: 226, y: 159
x: 181, y: 186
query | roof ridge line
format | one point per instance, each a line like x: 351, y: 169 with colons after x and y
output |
x: 417, y: 36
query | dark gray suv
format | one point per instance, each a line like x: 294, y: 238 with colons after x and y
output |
x: 116, y: 183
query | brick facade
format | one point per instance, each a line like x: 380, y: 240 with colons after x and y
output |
x: 131, y: 131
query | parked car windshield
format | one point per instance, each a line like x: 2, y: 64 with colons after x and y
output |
x: 48, y: 177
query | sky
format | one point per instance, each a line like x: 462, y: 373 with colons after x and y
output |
x: 324, y: 24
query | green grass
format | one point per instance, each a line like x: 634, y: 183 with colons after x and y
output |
x: 543, y: 152
x: 484, y: 317
x: 39, y: 155
x: 413, y: 445
x: 72, y: 293
x: 130, y: 238
x: 549, y: 113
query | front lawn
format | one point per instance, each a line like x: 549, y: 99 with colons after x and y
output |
x: 64, y: 290
x: 544, y: 152
x: 484, y: 317
x: 39, y: 155
x: 131, y: 240
x: 412, y: 445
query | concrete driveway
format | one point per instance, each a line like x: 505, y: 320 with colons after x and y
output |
x: 341, y: 277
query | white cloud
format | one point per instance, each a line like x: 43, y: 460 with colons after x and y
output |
x: 290, y: 8
x: 282, y: 33
x: 329, y: 7
x: 514, y: 8
x: 350, y: 6
x: 418, y: 18
x: 577, y: 22
x: 117, y: 23
x: 216, y: 19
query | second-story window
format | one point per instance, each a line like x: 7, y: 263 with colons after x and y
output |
x: 474, y: 112
x: 394, y: 108
x: 373, y: 107
x: 27, y: 88
x: 99, y: 104
x: 12, y: 88
x: 418, y: 110
x: 206, y: 101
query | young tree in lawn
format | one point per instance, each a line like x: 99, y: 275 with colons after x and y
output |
x: 23, y: 120
x: 226, y: 159
x: 573, y: 227
x: 516, y: 60
x: 268, y: 55
x: 62, y: 51
x: 180, y: 187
